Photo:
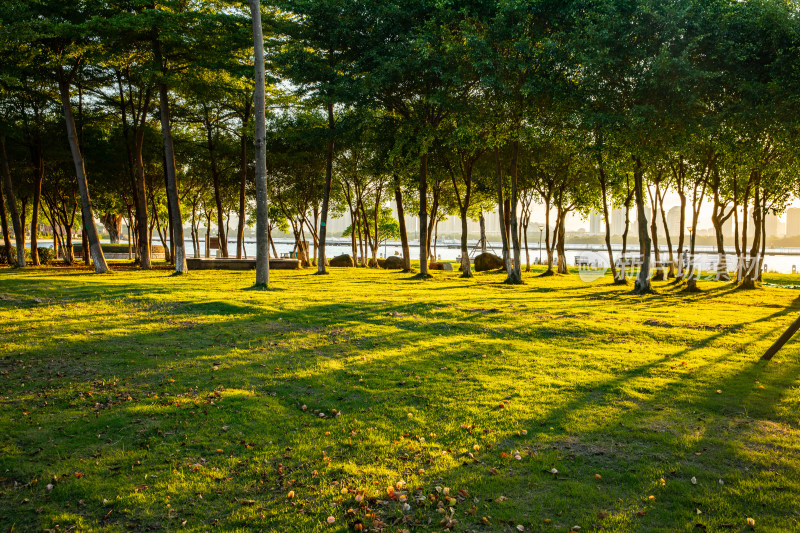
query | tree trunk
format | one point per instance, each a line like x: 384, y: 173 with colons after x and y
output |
x: 130, y: 236
x: 563, y: 267
x: 549, y: 270
x: 483, y: 233
x: 466, y: 266
x: 69, y: 251
x: 38, y: 177
x: 507, y: 226
x: 624, y: 267
x: 242, y: 183
x: 692, y: 273
x: 212, y: 156
x: 643, y: 279
x: 525, y: 223
x: 432, y: 221
x: 4, y: 223
x: 140, y: 196
x: 681, y: 237
x: 398, y: 198
x: 85, y: 243
x: 262, y: 201
x: 113, y: 224
x: 498, y: 174
x: 19, y: 232
x: 326, y: 195
x: 763, y: 245
x: 659, y: 270
x: 423, y: 218
x: 722, y: 264
x: 353, y: 230
x: 515, y: 273
x: 604, y: 190
x: 137, y: 172
x: 718, y: 218
x: 671, y: 271
x: 697, y: 203
x: 87, y: 214
x: 178, y: 248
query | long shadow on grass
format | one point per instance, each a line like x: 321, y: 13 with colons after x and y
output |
x: 312, y: 355
x: 679, y: 432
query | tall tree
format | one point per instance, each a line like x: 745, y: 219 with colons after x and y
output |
x: 262, y: 204
x: 8, y: 189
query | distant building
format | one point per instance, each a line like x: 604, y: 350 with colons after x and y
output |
x: 771, y: 225
x: 617, y: 222
x: 793, y: 222
x: 595, y: 224
x: 674, y: 221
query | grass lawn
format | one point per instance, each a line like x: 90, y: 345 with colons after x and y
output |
x: 141, y: 401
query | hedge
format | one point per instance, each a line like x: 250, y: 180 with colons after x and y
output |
x: 46, y: 255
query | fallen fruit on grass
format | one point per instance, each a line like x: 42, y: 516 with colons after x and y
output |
x: 598, y: 477
x: 751, y: 522
x: 331, y: 520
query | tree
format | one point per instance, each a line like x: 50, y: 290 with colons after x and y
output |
x: 317, y: 54
x: 8, y: 190
x: 260, y: 139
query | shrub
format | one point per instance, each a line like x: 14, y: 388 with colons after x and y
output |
x: 3, y: 255
x: 46, y: 255
x: 13, y: 255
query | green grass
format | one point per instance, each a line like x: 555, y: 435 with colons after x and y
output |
x: 152, y: 402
